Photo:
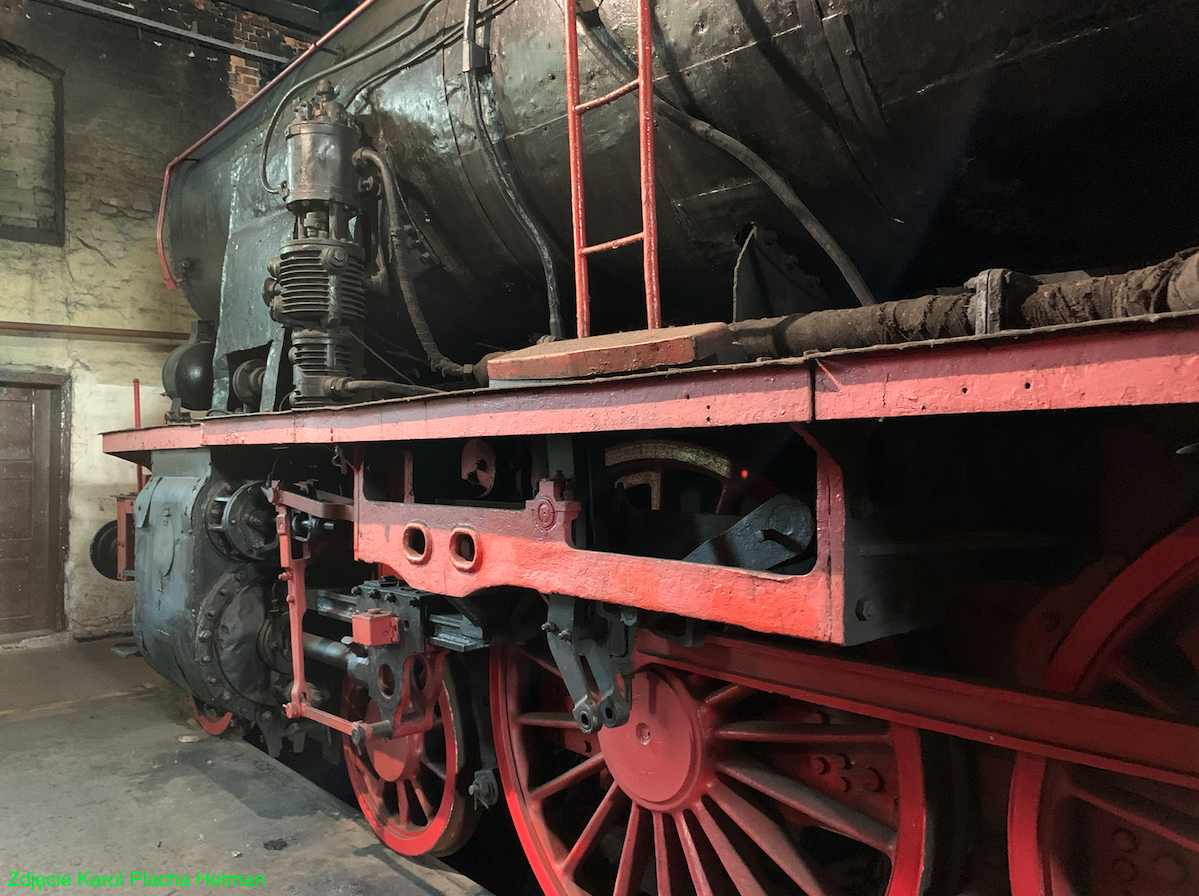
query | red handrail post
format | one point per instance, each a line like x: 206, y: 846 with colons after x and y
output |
x: 644, y: 85
x: 137, y: 424
x: 649, y: 214
x: 574, y: 126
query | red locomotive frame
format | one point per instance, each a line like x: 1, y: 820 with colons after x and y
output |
x: 1132, y: 363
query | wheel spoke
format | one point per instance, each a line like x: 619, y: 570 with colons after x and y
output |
x: 637, y: 839
x: 436, y: 768
x: 815, y: 733
x: 699, y: 877
x: 743, y: 877
x: 598, y: 825
x: 402, y: 805
x: 726, y: 696
x: 423, y: 799
x: 1150, y: 815
x: 1160, y: 694
x: 546, y: 720
x: 547, y: 665
x: 774, y: 842
x: 580, y: 772
x: 823, y: 809
x: 662, y: 860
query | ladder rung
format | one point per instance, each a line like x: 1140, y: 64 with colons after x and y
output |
x: 614, y: 244
x: 607, y: 97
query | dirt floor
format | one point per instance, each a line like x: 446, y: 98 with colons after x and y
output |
x: 102, y: 772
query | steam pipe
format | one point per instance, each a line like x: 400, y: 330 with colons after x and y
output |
x: 1171, y: 286
x: 612, y: 54
x: 391, y: 191
x: 503, y: 173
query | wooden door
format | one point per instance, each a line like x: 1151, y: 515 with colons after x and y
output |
x: 30, y: 533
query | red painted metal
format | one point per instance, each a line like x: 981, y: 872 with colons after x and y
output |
x: 678, y: 399
x: 409, y: 788
x: 137, y: 424
x: 421, y: 699
x: 649, y: 211
x: 648, y: 236
x: 237, y: 113
x: 375, y: 628
x: 126, y: 532
x: 574, y: 132
x: 1091, y: 366
x: 1026, y: 721
x: 689, y: 738
x: 1117, y: 364
x: 209, y: 719
x: 1120, y: 819
x: 531, y: 548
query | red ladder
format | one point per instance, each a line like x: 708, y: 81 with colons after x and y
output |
x: 648, y: 237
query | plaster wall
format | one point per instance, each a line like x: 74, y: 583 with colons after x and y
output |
x: 131, y: 102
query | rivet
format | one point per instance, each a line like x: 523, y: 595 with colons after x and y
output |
x: 1124, y: 840
x: 1124, y: 869
x: 211, y: 679
x: 844, y: 785
x: 1169, y: 869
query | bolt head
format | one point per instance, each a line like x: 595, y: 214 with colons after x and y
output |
x: 1169, y: 869
x: 1124, y: 870
x: 1124, y: 840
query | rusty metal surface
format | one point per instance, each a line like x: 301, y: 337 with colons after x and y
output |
x: 1104, y: 364
x: 1041, y: 725
x: 885, y: 117
x: 468, y: 549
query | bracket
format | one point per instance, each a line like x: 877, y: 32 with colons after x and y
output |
x: 577, y: 631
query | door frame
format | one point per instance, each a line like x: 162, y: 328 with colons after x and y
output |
x: 60, y: 479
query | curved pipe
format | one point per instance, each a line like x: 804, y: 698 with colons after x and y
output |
x: 615, y: 58
x: 391, y: 191
x: 503, y: 174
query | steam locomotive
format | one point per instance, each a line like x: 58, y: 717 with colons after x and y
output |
x: 835, y: 534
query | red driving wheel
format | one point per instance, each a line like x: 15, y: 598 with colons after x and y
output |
x: 210, y: 718
x: 710, y: 788
x: 1074, y: 831
x: 411, y: 789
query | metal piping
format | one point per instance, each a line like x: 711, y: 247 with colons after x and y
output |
x: 502, y: 172
x: 615, y: 58
x: 439, y: 363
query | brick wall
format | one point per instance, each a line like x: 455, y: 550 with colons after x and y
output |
x: 27, y: 147
x: 131, y: 101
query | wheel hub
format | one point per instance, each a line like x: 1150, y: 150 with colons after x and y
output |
x: 658, y: 756
x: 393, y: 758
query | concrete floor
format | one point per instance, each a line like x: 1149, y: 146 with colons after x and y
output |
x: 94, y: 778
